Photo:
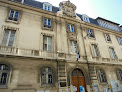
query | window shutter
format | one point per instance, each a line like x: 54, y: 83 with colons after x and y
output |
x: 11, y: 39
x: 42, y: 22
x: 5, y: 37
x: 52, y: 24
x: 75, y: 27
x: 49, y: 44
x: 93, y: 50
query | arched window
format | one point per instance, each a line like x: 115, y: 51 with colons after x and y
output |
x: 119, y: 74
x: 4, y: 74
x: 47, y: 75
x: 102, y: 76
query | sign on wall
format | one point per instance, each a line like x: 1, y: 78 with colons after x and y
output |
x: 115, y: 86
x: 96, y: 88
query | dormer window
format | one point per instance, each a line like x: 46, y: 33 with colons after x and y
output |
x: 47, y: 6
x: 85, y: 18
x: 21, y: 1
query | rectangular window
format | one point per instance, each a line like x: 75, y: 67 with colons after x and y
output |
x: 13, y: 15
x: 112, y: 53
x: 107, y: 37
x: 46, y: 7
x: 47, y: 23
x: 70, y: 28
x: 119, y: 40
x: 47, y: 43
x: 73, y: 47
x: 95, y: 50
x: 91, y: 33
x: 8, y: 37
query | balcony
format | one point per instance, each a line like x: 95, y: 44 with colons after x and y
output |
x: 6, y: 50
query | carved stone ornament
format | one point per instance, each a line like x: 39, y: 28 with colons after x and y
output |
x: 68, y: 8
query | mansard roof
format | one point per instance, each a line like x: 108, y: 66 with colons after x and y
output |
x: 108, y: 20
x: 38, y: 4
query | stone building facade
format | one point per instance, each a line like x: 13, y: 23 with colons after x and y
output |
x: 44, y: 48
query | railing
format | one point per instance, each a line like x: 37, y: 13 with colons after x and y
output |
x: 52, y: 55
x: 6, y: 49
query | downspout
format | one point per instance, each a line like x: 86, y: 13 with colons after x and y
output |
x: 86, y: 56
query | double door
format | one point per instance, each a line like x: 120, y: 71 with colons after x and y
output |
x: 78, y: 79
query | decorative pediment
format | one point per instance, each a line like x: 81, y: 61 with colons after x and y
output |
x: 68, y: 8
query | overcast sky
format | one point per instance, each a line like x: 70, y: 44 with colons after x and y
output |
x: 108, y: 9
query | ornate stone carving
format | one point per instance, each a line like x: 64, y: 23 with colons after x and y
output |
x: 68, y: 8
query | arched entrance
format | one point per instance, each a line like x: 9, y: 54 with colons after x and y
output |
x: 78, y: 79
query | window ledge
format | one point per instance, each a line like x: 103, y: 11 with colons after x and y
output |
x: 47, y: 85
x: 93, y: 38
x: 46, y: 28
x: 3, y: 87
x: 48, y: 51
x: 103, y: 83
x: 96, y: 57
x: 11, y: 21
x: 108, y: 41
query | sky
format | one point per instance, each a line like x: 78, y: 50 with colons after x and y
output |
x: 107, y: 9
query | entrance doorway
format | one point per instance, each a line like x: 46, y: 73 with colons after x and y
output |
x: 78, y: 79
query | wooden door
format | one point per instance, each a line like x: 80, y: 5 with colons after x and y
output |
x: 78, y: 79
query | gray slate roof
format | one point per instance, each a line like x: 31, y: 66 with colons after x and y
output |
x: 39, y: 5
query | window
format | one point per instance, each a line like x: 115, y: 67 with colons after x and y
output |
x: 47, y: 76
x: 85, y: 18
x: 90, y: 33
x: 112, y: 53
x: 47, y: 23
x: 47, y: 6
x: 21, y: 1
x: 47, y: 43
x: 119, y: 40
x: 70, y: 28
x: 13, y: 15
x: 107, y: 37
x: 95, y: 51
x: 8, y: 37
x: 4, y: 74
x: 102, y: 76
x: 119, y: 74
x: 73, y: 47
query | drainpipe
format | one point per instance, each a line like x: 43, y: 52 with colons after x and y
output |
x: 86, y: 57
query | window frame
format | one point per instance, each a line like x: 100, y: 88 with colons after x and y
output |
x: 15, y: 37
x: 47, y: 5
x: 119, y: 76
x: 53, y: 75
x: 111, y: 54
x: 48, y: 43
x: 70, y: 27
x: 101, y: 78
x: 47, y: 72
x: 8, y: 75
x: 46, y: 27
x: 48, y: 24
x: 120, y: 43
x: 73, y: 46
x: 89, y: 35
x: 8, y: 37
x: 19, y: 15
x: 95, y: 54
x: 105, y: 34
